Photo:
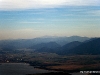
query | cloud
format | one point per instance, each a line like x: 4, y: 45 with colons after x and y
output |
x: 83, y: 2
x: 34, y: 4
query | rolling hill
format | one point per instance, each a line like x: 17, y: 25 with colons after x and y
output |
x: 91, y: 47
x: 37, y: 43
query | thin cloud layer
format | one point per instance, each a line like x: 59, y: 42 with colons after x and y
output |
x: 34, y: 4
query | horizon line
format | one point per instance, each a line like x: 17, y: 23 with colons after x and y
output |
x: 49, y: 37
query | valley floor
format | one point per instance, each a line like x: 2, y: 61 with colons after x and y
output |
x: 52, y: 61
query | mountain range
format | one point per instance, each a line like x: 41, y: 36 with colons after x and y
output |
x: 74, y: 45
x: 91, y: 47
x: 26, y: 43
x: 88, y: 47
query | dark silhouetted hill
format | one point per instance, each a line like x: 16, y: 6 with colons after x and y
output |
x: 89, y: 47
x: 66, y: 48
x: 71, y: 45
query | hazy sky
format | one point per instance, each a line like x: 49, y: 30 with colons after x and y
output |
x: 35, y: 18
